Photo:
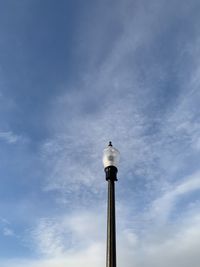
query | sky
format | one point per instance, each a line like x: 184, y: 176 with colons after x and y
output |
x: 75, y: 75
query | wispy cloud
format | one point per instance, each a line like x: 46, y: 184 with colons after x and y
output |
x: 177, y: 246
x: 8, y: 232
x: 6, y: 228
x: 9, y: 137
x: 163, y: 206
x: 63, y: 235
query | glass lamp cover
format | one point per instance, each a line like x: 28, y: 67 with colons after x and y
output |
x: 110, y: 157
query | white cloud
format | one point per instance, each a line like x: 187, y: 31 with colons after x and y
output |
x: 4, y: 221
x: 163, y: 206
x: 8, y: 232
x: 177, y: 246
x: 179, y: 249
x: 63, y: 235
x: 91, y: 256
x: 12, y: 138
x: 48, y: 237
x: 9, y: 137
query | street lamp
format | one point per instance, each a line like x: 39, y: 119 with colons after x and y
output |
x: 110, y: 162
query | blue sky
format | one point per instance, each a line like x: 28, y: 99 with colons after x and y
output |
x: 73, y: 76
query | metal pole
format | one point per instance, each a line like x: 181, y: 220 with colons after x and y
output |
x: 111, y: 226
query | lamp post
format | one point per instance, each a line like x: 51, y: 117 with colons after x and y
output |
x: 110, y: 162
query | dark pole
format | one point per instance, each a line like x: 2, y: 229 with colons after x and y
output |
x: 111, y: 177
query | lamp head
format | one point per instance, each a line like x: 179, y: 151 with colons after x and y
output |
x: 110, y: 156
